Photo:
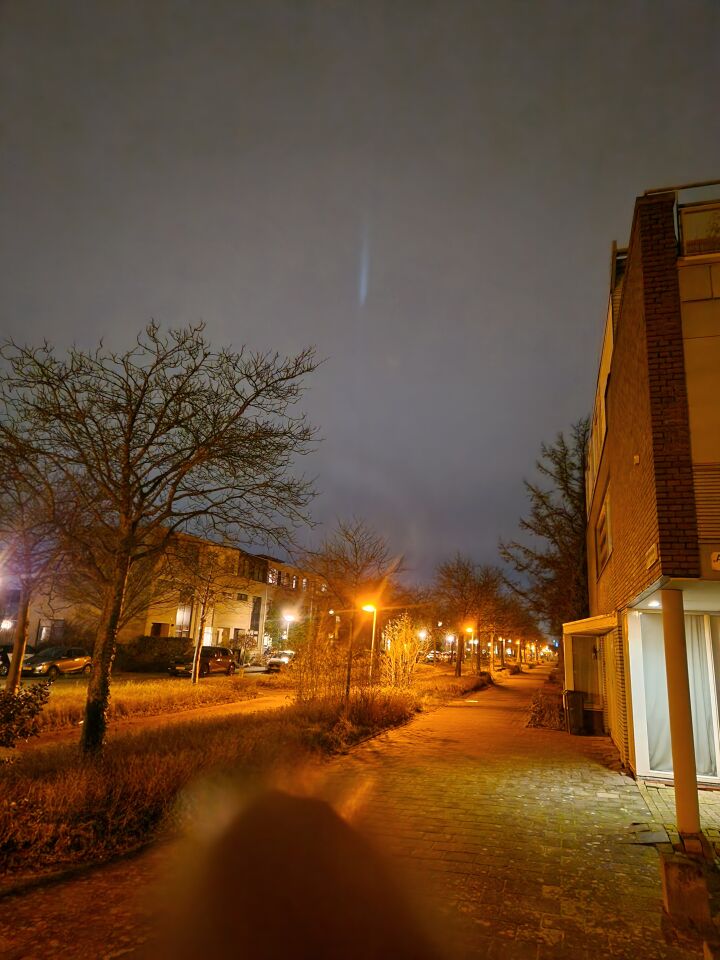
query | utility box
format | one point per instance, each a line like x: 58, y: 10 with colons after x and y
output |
x: 574, y: 711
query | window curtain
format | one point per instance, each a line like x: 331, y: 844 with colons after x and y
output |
x: 656, y: 699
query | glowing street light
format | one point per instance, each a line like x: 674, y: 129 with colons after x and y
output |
x: 369, y: 608
x: 288, y: 618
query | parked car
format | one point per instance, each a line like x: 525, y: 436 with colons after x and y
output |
x: 278, y: 661
x: 212, y: 660
x: 53, y: 662
x: 6, y: 653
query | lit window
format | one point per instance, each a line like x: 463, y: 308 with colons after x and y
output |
x: 273, y: 575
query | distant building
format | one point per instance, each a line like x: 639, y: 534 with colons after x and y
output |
x: 255, y: 589
x: 653, y: 496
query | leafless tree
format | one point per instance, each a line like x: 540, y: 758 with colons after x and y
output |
x: 207, y: 573
x: 467, y: 594
x: 154, y: 440
x: 551, y: 562
x: 357, y: 565
x: 30, y: 549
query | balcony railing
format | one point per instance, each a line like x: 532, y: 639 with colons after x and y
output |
x: 699, y: 225
x: 698, y: 220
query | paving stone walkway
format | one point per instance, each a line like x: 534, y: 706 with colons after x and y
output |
x: 514, y: 843
x: 523, y: 837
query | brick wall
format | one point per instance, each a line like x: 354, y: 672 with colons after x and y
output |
x: 646, y: 464
x: 677, y: 523
x: 631, y: 484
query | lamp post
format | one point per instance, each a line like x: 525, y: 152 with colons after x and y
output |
x: 369, y: 608
x: 288, y: 618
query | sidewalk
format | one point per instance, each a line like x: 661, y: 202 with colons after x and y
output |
x: 523, y: 837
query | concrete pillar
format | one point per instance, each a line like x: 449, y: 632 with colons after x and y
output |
x: 681, y: 731
x: 568, y: 662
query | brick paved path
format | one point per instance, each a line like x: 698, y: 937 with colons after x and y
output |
x: 516, y: 842
x: 522, y: 837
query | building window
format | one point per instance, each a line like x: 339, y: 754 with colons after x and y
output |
x: 304, y: 583
x: 603, y: 540
x: 294, y: 582
x: 273, y: 575
x: 182, y: 621
x: 242, y: 597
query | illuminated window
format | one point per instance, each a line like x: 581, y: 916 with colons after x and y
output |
x: 273, y: 575
x: 182, y: 620
x: 603, y: 540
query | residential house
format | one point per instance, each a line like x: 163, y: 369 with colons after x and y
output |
x: 647, y: 659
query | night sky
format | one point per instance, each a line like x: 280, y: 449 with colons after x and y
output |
x: 428, y: 191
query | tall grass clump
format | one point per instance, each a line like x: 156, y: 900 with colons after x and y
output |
x: 138, y: 698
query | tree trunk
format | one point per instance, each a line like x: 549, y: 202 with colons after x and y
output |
x: 98, y: 693
x: 460, y: 655
x: 348, y: 677
x: 198, y: 647
x: 502, y: 653
x: 12, y: 685
x: 492, y: 652
x: 478, y: 657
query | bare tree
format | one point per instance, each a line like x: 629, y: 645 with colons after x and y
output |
x: 356, y: 565
x: 466, y: 593
x: 30, y: 550
x: 207, y: 573
x: 154, y: 440
x: 552, y: 563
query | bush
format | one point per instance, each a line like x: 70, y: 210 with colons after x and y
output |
x: 150, y: 654
x: 20, y: 713
x: 546, y: 710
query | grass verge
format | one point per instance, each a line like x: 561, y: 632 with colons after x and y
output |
x: 144, y: 698
x: 59, y: 810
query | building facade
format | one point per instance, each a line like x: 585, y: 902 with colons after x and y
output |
x: 653, y: 497
x: 235, y: 597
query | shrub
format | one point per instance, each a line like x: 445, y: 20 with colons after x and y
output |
x: 20, y: 713
x: 150, y: 654
x: 546, y: 710
x: 402, y: 651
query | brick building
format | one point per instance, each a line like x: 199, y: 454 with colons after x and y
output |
x: 653, y: 496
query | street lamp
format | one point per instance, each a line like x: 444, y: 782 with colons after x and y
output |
x: 369, y: 608
x: 288, y: 618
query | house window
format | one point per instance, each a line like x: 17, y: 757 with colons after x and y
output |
x: 294, y: 582
x: 603, y: 540
x: 182, y: 621
x: 273, y: 575
x: 304, y: 583
x: 242, y: 597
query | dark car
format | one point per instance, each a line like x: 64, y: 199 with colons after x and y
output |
x: 54, y: 662
x: 212, y: 660
x: 6, y: 653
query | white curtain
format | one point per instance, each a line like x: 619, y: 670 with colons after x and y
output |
x: 656, y: 700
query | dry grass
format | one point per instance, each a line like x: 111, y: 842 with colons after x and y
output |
x: 436, y: 685
x: 59, y: 809
x: 138, y: 698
